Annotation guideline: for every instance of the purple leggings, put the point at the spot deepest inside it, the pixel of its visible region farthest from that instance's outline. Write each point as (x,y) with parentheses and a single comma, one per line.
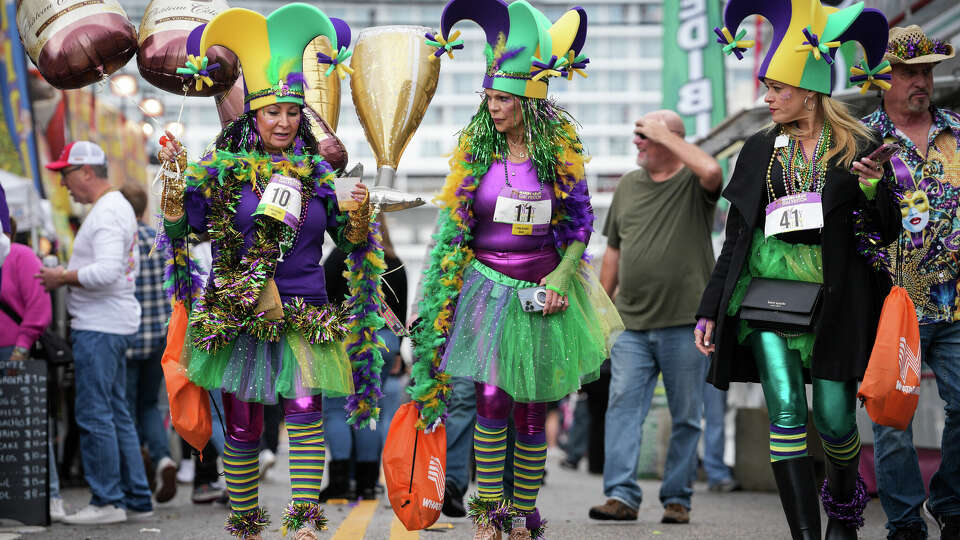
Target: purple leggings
(495,404)
(245,419)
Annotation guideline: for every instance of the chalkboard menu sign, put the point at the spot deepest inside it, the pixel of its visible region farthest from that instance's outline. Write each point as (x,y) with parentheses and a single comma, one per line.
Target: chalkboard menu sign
(23,442)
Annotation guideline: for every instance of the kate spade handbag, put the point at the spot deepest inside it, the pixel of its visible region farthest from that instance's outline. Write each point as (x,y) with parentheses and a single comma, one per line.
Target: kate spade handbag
(781,304)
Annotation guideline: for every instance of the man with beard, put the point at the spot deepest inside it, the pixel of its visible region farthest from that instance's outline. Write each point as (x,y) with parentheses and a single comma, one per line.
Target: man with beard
(926,168)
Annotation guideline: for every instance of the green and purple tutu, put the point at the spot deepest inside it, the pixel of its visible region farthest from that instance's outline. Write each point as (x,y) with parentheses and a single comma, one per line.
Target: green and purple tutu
(264,371)
(532,357)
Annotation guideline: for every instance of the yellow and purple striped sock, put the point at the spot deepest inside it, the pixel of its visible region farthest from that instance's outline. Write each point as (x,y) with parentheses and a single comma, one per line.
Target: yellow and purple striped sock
(241,469)
(307,454)
(787,443)
(490,447)
(529,457)
(841,451)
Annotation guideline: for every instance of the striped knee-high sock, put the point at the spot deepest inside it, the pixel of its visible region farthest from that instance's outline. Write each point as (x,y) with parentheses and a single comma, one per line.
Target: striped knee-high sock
(307,453)
(490,446)
(241,468)
(841,452)
(529,457)
(787,443)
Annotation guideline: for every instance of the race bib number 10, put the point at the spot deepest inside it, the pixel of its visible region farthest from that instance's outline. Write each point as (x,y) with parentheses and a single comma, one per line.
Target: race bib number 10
(799,212)
(281,200)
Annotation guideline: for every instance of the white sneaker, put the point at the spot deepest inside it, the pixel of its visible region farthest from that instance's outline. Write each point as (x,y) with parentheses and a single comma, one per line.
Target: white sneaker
(57,512)
(267,459)
(97,515)
(133,515)
(166,480)
(186,472)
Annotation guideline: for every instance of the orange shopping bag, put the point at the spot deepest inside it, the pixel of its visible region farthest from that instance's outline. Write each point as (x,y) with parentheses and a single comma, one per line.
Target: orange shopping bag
(189,404)
(414,466)
(891,384)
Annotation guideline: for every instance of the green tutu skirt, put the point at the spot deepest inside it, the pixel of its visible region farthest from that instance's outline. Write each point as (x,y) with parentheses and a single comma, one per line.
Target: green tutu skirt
(773,258)
(531,357)
(263,371)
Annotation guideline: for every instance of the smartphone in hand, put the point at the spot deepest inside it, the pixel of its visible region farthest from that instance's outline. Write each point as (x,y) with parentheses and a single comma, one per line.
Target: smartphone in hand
(883,154)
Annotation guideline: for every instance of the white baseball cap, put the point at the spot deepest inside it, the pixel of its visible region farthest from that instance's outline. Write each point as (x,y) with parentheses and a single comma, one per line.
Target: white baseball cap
(79,153)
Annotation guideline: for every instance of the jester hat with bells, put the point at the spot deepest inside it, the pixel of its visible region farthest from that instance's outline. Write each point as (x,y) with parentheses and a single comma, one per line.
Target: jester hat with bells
(523,47)
(271,48)
(806,36)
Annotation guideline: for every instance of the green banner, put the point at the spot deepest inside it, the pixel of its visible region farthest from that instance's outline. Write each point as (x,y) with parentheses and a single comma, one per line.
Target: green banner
(693,73)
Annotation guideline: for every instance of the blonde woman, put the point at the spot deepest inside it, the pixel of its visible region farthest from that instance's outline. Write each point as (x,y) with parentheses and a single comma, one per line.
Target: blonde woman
(808,216)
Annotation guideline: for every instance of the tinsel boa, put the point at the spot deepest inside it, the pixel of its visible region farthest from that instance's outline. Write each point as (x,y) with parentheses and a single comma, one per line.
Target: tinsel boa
(849,513)
(247,524)
(225,309)
(572,221)
(299,515)
(484,513)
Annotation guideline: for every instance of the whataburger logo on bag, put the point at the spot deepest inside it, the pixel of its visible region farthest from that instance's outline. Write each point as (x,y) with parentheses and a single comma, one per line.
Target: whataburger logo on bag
(908,362)
(436,475)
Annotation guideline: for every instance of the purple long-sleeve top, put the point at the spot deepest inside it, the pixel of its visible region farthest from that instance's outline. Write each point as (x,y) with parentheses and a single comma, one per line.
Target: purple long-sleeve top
(300,273)
(526,257)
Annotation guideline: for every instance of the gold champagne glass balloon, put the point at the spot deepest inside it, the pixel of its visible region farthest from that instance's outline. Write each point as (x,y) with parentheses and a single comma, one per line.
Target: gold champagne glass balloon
(393,82)
(321,93)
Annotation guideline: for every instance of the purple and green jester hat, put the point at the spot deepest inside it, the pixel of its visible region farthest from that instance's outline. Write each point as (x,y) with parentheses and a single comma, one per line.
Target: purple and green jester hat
(270,49)
(524,49)
(806,37)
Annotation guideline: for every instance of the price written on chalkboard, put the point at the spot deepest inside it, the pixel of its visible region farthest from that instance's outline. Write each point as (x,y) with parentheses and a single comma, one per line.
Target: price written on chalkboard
(23,442)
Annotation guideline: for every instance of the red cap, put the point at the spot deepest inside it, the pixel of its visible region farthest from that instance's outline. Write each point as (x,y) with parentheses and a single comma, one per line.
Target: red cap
(79,153)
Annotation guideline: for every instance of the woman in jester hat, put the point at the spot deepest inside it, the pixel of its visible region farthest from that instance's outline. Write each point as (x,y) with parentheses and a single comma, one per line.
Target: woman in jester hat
(515,214)
(263,330)
(809,161)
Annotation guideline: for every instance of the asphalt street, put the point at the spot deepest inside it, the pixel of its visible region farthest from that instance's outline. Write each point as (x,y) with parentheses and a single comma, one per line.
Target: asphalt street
(564,501)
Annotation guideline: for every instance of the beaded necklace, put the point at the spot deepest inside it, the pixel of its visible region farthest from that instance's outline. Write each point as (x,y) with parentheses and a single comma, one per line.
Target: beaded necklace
(799,174)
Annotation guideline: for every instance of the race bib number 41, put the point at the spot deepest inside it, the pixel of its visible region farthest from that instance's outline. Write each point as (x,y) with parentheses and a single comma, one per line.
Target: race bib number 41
(799,212)
(526,211)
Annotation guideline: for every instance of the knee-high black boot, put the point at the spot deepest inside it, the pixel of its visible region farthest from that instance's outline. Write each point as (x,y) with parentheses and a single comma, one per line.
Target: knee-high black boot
(844,497)
(798,495)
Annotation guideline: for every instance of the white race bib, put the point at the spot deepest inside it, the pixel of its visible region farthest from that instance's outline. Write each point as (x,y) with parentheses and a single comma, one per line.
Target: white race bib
(526,211)
(798,212)
(281,200)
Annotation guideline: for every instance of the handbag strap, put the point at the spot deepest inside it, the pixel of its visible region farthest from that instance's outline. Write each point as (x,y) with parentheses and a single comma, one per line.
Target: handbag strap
(11,313)
(898,272)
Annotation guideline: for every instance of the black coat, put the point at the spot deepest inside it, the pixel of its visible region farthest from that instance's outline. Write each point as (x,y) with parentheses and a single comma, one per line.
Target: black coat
(853,292)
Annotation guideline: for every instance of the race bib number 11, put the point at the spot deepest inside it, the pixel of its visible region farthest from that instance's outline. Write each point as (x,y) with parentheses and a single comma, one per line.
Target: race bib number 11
(799,212)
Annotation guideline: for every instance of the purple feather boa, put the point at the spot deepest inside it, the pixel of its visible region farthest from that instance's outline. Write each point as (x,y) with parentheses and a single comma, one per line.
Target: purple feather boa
(364,345)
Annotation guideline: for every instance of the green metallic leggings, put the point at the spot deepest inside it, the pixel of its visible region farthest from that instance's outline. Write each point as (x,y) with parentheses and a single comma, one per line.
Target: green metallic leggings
(781,375)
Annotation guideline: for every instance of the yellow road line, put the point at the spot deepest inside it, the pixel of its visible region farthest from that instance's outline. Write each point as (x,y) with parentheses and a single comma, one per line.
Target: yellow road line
(355,525)
(399,532)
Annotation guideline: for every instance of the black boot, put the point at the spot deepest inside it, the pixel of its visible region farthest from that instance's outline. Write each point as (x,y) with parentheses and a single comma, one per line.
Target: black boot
(338,471)
(798,496)
(844,497)
(367,474)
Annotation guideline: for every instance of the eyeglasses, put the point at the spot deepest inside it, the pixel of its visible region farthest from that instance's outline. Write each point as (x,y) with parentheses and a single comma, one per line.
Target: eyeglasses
(67,170)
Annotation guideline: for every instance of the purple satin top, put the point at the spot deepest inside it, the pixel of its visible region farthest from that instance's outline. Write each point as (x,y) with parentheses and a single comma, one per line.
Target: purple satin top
(300,273)
(525,257)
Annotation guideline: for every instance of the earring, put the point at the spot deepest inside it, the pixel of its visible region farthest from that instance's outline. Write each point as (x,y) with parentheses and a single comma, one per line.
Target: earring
(805,104)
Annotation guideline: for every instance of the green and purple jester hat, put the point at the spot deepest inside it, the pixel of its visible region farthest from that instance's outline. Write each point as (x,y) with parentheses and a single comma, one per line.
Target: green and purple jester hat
(806,37)
(523,47)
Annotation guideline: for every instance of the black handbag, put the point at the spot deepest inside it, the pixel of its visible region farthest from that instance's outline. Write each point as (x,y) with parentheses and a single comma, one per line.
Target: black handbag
(49,346)
(781,304)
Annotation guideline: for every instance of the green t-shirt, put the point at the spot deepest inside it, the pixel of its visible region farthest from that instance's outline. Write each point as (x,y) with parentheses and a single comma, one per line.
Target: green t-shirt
(662,230)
